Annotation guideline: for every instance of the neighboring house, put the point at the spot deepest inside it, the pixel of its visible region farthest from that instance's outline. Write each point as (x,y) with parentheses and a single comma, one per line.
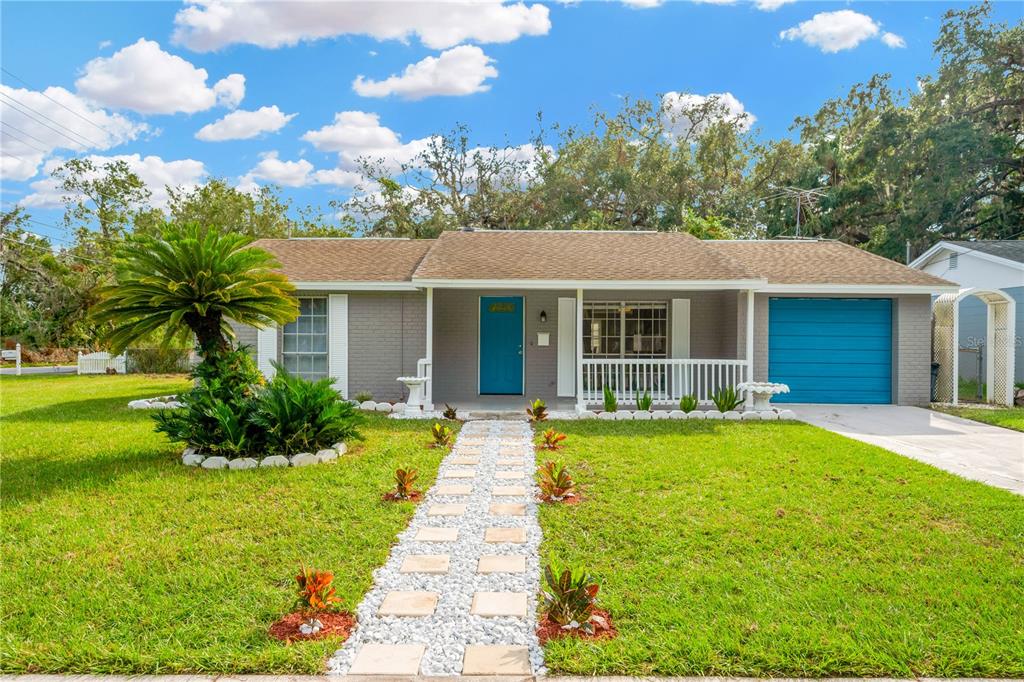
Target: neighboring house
(494,317)
(986,266)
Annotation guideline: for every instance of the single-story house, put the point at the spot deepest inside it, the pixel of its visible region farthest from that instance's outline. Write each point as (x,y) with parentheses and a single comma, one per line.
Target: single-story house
(496,317)
(980,266)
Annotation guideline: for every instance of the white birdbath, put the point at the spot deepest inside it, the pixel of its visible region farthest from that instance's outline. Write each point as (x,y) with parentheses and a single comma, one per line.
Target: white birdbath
(414,404)
(762,391)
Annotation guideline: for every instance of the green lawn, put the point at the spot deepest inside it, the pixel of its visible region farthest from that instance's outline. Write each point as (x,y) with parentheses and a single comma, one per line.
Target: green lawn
(784,550)
(1007,417)
(118,559)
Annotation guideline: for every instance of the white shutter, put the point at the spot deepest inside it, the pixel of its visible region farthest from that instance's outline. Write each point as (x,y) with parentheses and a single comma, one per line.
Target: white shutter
(266,350)
(337,341)
(680,328)
(566,343)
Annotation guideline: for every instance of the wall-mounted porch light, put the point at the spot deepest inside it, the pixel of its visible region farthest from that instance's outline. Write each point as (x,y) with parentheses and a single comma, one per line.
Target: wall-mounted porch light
(543,316)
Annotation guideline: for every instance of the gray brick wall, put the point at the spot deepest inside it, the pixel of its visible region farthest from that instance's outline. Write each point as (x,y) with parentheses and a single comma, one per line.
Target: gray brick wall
(386,337)
(911,336)
(245,335)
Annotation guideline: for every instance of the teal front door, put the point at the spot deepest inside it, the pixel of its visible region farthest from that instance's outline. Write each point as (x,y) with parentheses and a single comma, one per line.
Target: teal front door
(501,345)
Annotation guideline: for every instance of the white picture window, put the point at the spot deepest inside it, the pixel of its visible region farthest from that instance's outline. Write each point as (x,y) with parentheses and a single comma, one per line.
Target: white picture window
(624,329)
(304,351)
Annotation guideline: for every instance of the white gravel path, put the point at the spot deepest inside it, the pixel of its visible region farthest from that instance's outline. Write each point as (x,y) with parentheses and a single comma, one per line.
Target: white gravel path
(451,627)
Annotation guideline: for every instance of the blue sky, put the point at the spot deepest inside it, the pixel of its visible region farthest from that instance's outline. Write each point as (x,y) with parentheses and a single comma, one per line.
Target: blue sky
(122,78)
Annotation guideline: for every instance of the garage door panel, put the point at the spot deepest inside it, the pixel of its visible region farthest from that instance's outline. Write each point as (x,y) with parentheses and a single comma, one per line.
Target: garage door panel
(833,370)
(853,343)
(831,350)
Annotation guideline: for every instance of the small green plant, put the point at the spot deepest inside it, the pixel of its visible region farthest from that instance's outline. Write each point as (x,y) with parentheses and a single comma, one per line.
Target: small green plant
(363,396)
(644,402)
(442,435)
(538,411)
(611,404)
(569,596)
(450,412)
(725,399)
(315,591)
(405,479)
(554,481)
(552,440)
(688,403)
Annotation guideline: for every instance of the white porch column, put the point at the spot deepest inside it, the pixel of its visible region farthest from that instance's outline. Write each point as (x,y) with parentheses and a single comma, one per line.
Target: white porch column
(580,404)
(749,355)
(429,393)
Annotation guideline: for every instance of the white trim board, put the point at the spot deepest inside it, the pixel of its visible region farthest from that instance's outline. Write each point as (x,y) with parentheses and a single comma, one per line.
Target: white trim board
(853,289)
(923,260)
(355,286)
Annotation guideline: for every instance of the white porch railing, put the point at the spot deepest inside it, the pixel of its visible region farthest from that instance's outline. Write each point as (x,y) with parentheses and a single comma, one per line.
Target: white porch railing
(667,380)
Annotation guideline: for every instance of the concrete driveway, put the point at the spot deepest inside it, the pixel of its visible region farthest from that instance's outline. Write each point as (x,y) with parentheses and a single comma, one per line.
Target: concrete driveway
(980,452)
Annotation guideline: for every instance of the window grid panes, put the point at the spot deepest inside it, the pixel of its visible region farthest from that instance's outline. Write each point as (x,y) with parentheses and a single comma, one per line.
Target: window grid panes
(622,329)
(304,351)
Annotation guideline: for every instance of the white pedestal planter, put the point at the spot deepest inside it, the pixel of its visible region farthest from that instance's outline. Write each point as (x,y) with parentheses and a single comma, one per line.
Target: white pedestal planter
(414,403)
(762,392)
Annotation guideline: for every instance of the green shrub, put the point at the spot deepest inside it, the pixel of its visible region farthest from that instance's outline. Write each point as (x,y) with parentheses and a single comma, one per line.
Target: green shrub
(644,402)
(688,403)
(611,404)
(297,415)
(363,396)
(725,399)
(158,360)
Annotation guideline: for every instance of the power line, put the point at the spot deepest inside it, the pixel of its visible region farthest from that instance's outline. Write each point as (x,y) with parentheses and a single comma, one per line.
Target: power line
(24,142)
(94,125)
(17,107)
(22,132)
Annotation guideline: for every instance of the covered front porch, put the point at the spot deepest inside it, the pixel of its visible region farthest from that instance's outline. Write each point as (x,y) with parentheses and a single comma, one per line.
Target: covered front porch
(493,350)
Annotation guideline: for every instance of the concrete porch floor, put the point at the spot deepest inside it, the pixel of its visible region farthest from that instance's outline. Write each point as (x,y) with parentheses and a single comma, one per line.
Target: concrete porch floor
(502,406)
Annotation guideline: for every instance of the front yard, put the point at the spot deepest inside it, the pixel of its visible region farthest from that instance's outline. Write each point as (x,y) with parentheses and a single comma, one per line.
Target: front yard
(1007,417)
(772,549)
(118,559)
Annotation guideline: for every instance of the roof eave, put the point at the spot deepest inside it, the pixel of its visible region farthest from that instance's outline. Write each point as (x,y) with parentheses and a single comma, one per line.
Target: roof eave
(444,283)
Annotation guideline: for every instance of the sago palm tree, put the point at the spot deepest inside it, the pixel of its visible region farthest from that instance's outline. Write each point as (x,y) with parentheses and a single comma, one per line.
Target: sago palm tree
(191,281)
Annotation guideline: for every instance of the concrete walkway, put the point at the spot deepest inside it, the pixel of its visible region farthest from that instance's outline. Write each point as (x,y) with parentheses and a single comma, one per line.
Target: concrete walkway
(458,593)
(970,449)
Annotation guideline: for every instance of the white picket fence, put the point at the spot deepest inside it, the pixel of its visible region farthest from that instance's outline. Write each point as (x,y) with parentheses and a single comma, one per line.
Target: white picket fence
(100,362)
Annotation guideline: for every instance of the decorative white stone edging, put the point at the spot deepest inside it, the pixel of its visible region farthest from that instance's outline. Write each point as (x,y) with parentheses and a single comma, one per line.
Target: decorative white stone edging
(696,415)
(447,629)
(163,402)
(192,458)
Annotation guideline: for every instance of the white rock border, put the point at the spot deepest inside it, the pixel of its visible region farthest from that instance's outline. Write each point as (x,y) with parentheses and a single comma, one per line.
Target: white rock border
(162,402)
(193,458)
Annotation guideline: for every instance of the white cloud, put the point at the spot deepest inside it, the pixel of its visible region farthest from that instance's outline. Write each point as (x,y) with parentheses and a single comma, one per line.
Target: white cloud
(771,5)
(144,78)
(681,110)
(152,170)
(337,177)
(37,123)
(461,70)
(892,40)
(359,134)
(643,4)
(285,173)
(243,125)
(206,25)
(834,31)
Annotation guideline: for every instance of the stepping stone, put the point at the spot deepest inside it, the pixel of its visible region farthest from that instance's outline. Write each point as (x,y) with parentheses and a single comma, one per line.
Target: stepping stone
(408,604)
(446,510)
(498,604)
(454,489)
(512,535)
(518,462)
(511,452)
(460,473)
(490,659)
(425,563)
(509,475)
(501,563)
(388,659)
(465,460)
(506,509)
(437,535)
(467,451)
(472,440)
(509,490)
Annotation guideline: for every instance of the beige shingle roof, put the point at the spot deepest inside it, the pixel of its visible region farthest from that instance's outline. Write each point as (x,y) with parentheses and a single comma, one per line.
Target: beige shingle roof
(580,255)
(347,260)
(820,262)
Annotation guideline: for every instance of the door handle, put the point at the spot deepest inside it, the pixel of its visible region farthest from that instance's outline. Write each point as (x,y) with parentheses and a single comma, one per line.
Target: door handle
(520,349)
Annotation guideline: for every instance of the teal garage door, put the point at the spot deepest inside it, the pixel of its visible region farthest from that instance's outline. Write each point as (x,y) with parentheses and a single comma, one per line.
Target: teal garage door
(831,350)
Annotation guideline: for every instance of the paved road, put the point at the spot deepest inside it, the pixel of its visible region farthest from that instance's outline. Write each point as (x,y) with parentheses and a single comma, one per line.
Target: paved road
(980,452)
(56,369)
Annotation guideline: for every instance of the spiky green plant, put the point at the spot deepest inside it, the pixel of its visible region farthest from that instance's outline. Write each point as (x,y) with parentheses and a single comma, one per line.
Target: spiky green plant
(644,402)
(192,281)
(611,403)
(726,399)
(688,403)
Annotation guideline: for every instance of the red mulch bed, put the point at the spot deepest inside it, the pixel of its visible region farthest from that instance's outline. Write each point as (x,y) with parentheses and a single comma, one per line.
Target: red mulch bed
(338,624)
(414,497)
(548,630)
(569,501)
